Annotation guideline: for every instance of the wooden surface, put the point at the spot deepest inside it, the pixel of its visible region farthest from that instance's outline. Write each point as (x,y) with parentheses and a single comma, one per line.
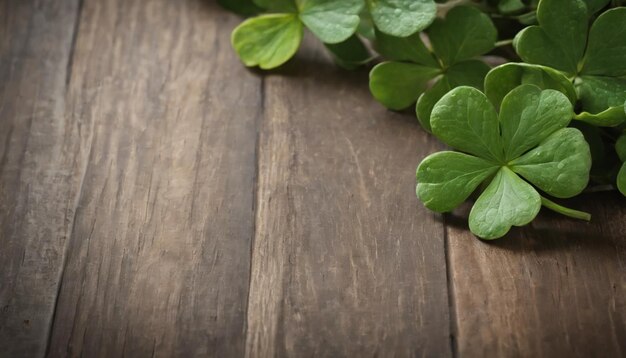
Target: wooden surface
(159,199)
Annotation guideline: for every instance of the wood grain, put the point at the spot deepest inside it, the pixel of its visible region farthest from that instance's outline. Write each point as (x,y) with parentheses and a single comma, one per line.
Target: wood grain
(159,257)
(345,262)
(554,289)
(38,158)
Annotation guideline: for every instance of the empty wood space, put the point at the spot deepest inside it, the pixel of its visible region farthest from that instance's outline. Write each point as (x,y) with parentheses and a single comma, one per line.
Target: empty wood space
(159,199)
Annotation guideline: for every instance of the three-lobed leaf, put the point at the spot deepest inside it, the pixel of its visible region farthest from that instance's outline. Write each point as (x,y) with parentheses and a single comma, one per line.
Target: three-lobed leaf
(332,21)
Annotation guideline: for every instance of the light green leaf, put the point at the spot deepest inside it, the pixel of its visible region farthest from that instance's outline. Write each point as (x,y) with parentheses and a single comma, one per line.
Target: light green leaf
(559,40)
(559,166)
(606,51)
(464,119)
(597,94)
(465,73)
(612,117)
(621,180)
(402,18)
(267,41)
(331,21)
(397,85)
(504,78)
(411,49)
(464,33)
(277,5)
(351,53)
(446,179)
(508,201)
(529,115)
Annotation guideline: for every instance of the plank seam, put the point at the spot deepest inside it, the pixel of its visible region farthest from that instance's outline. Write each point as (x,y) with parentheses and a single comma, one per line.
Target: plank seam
(450,289)
(70,59)
(255,205)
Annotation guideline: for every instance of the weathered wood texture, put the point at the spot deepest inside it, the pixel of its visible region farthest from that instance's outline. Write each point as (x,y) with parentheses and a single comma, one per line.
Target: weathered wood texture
(556,288)
(37,161)
(158,260)
(345,261)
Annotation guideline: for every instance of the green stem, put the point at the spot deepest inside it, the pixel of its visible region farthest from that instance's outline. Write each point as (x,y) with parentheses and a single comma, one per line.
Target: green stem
(565,211)
(504,43)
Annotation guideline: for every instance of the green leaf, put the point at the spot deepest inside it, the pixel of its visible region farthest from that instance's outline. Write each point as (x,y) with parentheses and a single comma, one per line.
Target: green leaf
(594,5)
(277,5)
(351,53)
(510,6)
(621,180)
(464,119)
(446,179)
(411,49)
(465,73)
(397,85)
(241,7)
(331,21)
(426,102)
(599,93)
(267,41)
(464,33)
(508,201)
(529,115)
(612,117)
(402,18)
(606,51)
(504,78)
(559,166)
(560,38)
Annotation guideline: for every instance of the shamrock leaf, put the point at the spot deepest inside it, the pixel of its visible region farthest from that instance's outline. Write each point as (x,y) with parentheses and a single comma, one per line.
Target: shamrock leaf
(594,57)
(402,18)
(528,139)
(332,21)
(267,41)
(620,146)
(464,34)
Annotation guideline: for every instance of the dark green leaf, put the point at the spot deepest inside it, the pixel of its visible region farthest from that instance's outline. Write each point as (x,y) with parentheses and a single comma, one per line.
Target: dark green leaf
(277,5)
(464,33)
(351,53)
(397,85)
(606,51)
(241,7)
(411,49)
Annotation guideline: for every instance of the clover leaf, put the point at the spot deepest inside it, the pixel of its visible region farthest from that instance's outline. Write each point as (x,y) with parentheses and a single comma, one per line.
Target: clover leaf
(270,40)
(620,147)
(241,7)
(415,72)
(402,18)
(593,57)
(526,143)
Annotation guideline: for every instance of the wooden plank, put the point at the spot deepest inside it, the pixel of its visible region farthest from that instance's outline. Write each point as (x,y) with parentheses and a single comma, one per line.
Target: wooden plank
(37,162)
(345,263)
(158,263)
(554,289)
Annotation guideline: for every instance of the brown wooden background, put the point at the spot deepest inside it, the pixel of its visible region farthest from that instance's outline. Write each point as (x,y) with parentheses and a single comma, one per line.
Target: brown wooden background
(159,199)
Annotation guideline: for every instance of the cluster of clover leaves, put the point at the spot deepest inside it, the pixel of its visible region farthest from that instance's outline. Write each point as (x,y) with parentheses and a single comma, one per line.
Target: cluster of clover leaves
(548,122)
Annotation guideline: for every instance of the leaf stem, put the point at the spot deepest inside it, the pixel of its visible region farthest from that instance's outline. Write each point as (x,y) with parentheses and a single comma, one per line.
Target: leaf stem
(504,43)
(565,211)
